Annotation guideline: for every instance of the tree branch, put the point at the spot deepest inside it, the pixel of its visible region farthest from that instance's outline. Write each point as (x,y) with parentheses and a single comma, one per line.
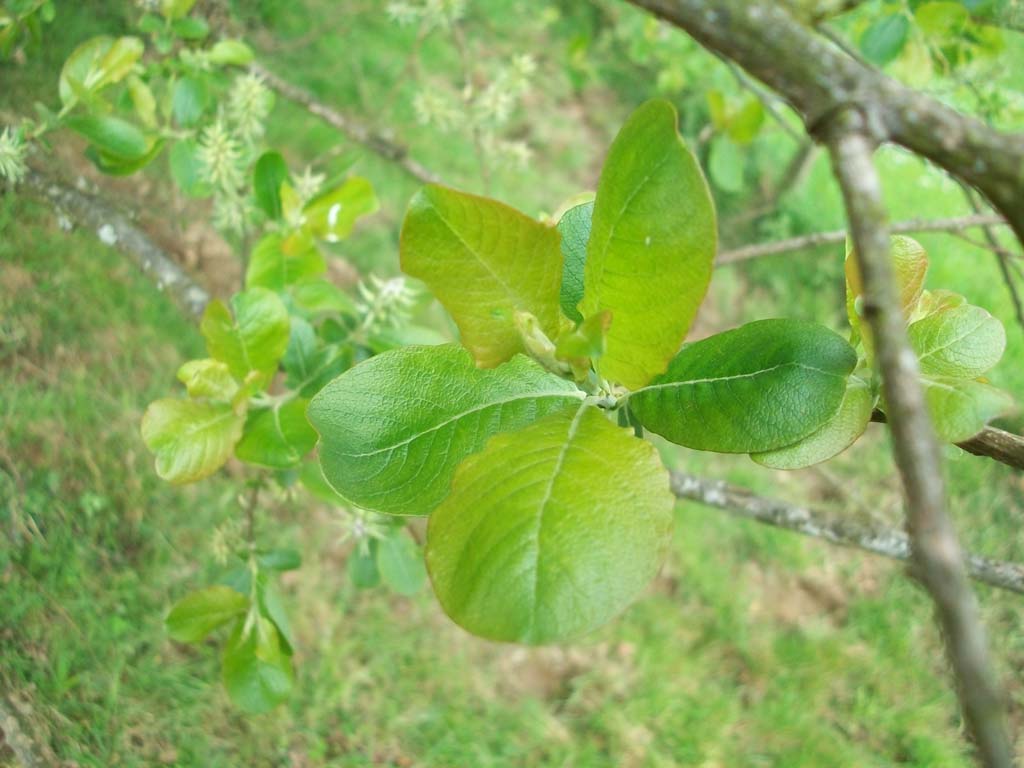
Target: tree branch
(116,229)
(886,542)
(355,130)
(937,557)
(819,80)
(816,239)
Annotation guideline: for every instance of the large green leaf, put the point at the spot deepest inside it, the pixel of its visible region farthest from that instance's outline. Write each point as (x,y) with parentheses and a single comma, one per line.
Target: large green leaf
(257,672)
(483,261)
(550,531)
(961,342)
(277,437)
(652,244)
(960,408)
(254,339)
(394,428)
(574,227)
(756,388)
(833,437)
(199,613)
(190,440)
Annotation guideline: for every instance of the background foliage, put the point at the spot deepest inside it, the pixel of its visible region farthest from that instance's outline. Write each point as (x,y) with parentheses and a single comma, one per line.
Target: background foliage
(753,648)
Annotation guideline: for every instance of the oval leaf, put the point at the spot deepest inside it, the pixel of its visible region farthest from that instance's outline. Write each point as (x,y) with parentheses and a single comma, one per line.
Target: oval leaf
(257,673)
(254,339)
(832,438)
(270,267)
(483,261)
(759,387)
(196,615)
(652,244)
(961,408)
(400,563)
(270,172)
(962,342)
(561,544)
(277,437)
(394,428)
(190,440)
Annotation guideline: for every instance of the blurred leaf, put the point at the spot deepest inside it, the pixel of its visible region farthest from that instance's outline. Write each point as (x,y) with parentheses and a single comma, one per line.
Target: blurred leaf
(189,101)
(280,559)
(97,63)
(270,267)
(270,172)
(746,123)
(256,672)
(143,101)
(331,215)
(176,9)
(112,135)
(197,614)
(362,566)
(232,53)
(883,40)
(190,440)
(190,28)
(942,19)
(400,563)
(961,408)
(318,296)
(187,169)
(726,164)
(277,437)
(208,378)
(253,339)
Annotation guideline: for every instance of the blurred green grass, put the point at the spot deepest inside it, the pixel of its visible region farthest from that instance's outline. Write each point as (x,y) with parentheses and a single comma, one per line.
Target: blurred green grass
(754,647)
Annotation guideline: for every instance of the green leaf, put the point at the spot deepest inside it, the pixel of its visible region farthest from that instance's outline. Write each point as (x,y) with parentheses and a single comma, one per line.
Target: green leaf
(756,388)
(96,63)
(232,53)
(652,244)
(191,28)
(910,264)
(115,165)
(197,614)
(746,123)
(317,296)
(208,378)
(362,566)
(962,342)
(404,336)
(280,559)
(726,163)
(942,19)
(257,673)
(483,261)
(574,227)
(270,267)
(277,437)
(885,38)
(190,440)
(176,9)
(112,135)
(400,563)
(833,437)
(309,364)
(961,408)
(254,339)
(187,169)
(143,101)
(550,531)
(189,101)
(272,606)
(270,172)
(394,428)
(331,215)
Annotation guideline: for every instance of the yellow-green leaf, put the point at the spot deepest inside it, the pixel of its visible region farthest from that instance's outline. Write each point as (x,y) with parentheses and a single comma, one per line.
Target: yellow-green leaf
(190,440)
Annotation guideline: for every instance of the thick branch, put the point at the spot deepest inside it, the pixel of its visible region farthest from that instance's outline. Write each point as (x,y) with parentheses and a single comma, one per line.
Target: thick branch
(757,250)
(355,130)
(818,80)
(938,560)
(886,542)
(114,228)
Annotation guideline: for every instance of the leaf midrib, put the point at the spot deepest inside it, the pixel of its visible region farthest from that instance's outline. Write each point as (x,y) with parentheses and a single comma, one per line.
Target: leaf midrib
(463,414)
(752,374)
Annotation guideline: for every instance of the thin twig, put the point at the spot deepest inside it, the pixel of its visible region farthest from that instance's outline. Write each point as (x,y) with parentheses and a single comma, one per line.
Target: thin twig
(354,129)
(937,557)
(887,542)
(957,224)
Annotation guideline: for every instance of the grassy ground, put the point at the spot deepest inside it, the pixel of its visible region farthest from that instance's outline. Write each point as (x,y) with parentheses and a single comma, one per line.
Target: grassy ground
(753,648)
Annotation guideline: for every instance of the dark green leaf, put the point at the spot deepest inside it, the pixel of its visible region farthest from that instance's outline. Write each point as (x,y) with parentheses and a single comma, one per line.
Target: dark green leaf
(574,227)
(270,171)
(884,39)
(112,135)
